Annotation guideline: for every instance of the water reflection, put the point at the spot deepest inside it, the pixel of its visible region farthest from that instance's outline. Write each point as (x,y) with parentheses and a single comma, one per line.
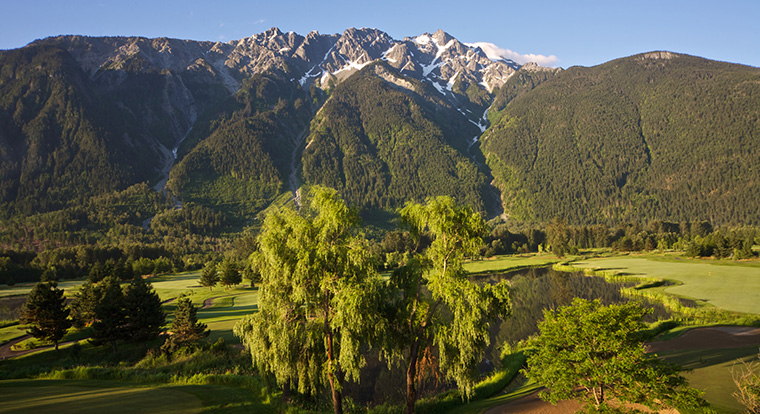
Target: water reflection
(534,290)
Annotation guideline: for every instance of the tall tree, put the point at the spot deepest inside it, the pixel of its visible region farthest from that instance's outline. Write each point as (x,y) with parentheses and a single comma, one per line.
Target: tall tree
(45,311)
(209,276)
(317,292)
(591,352)
(144,315)
(109,313)
(185,327)
(438,305)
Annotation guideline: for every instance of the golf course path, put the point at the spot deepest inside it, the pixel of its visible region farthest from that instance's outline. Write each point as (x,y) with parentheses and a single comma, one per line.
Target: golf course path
(713,337)
(6,351)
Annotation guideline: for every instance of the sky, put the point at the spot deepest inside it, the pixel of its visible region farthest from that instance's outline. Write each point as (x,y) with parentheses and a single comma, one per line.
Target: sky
(560,33)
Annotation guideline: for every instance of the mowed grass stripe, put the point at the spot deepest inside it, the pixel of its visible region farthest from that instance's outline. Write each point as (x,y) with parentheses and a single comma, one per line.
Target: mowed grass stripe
(79,399)
(734,288)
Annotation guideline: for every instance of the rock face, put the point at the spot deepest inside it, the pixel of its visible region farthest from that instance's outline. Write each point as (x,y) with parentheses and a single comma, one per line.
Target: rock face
(143,97)
(185,74)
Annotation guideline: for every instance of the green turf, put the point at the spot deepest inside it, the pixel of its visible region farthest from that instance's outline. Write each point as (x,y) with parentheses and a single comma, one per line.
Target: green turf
(506,263)
(10,333)
(734,287)
(22,289)
(710,370)
(82,397)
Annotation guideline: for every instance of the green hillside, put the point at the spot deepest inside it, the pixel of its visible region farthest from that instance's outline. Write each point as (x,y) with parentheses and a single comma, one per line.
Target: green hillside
(652,136)
(239,156)
(381,144)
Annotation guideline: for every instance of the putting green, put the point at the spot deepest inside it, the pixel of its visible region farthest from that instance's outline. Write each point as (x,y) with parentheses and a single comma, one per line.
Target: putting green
(731,287)
(61,397)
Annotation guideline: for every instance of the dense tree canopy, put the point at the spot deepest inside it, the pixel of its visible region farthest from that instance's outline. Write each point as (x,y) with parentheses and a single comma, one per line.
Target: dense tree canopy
(316,299)
(437,304)
(592,353)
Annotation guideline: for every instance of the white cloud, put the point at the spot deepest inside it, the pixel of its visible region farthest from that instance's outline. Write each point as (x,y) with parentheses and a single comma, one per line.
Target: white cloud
(495,52)
(260,21)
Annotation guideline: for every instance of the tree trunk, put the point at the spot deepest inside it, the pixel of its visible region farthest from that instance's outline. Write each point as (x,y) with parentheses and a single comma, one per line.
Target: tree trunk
(56,345)
(332,370)
(411,378)
(286,392)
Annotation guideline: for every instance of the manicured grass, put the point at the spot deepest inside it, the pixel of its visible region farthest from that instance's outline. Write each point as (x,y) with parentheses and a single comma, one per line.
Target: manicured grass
(506,263)
(710,370)
(733,286)
(112,397)
(82,397)
(10,333)
(23,289)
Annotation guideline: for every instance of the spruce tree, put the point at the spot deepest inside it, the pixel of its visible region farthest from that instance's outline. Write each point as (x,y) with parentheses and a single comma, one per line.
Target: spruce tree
(109,313)
(230,274)
(83,305)
(209,276)
(144,315)
(185,327)
(45,311)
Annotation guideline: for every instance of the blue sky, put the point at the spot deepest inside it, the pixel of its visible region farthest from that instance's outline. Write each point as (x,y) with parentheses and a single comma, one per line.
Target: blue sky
(557,33)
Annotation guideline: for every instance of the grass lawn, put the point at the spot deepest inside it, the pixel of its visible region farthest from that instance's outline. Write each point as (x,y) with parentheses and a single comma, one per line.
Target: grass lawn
(506,263)
(710,370)
(82,397)
(733,286)
(10,333)
(24,288)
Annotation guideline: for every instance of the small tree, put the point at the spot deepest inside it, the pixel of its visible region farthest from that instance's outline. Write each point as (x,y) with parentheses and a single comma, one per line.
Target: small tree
(591,353)
(229,273)
(144,315)
(209,276)
(46,313)
(747,380)
(185,327)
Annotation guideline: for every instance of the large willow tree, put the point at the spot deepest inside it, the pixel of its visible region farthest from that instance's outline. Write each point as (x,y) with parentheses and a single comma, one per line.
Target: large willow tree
(317,292)
(437,304)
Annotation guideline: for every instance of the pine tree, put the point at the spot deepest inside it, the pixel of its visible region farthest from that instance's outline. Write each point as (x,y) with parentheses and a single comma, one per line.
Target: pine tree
(45,311)
(209,276)
(230,275)
(142,307)
(185,327)
(83,305)
(109,313)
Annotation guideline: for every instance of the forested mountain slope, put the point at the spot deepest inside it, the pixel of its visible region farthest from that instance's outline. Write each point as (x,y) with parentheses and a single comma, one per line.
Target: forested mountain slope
(383,139)
(652,136)
(230,127)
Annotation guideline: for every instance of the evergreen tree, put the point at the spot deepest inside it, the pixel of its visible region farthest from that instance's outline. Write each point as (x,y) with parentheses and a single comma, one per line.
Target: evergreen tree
(185,327)
(209,276)
(45,311)
(142,307)
(83,305)
(229,273)
(109,313)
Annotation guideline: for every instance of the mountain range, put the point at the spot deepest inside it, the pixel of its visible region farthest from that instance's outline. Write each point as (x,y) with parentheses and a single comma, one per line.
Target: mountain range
(235,126)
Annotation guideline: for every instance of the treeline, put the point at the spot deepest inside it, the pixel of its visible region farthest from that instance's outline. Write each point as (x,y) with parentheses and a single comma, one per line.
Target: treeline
(636,139)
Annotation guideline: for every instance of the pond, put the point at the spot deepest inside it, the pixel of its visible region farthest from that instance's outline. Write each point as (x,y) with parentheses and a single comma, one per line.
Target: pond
(534,290)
